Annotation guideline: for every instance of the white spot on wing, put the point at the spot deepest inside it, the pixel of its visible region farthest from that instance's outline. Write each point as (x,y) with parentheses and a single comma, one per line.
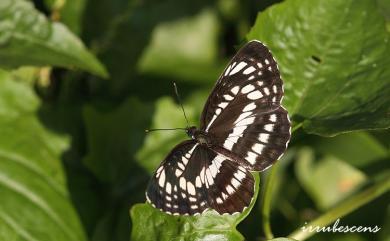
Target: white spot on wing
(249,107)
(260,65)
(161,179)
(190,188)
(275,89)
(263,137)
(272,118)
(228,144)
(198,183)
(266,61)
(209,177)
(224,196)
(228,69)
(246,121)
(182,183)
(266,90)
(258,148)
(230,189)
(213,170)
(249,70)
(228,97)
(239,175)
(242,116)
(239,130)
(235,90)
(211,122)
(181,166)
(235,183)
(255,95)
(184,160)
(168,188)
(269,127)
(247,89)
(238,68)
(202,175)
(251,157)
(223,105)
(178,172)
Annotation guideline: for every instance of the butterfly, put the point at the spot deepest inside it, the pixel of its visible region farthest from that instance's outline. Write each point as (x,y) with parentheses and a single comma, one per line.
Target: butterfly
(243,128)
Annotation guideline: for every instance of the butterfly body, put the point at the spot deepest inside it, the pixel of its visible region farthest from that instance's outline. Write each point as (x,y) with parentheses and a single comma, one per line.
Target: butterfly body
(243,128)
(200,136)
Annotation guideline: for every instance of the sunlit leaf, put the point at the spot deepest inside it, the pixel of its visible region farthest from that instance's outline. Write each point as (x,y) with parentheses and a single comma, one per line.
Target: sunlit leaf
(185,49)
(333,56)
(28,38)
(35,204)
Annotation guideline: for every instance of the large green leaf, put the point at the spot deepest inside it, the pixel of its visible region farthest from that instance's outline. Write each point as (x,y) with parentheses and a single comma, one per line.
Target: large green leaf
(333,56)
(28,38)
(35,204)
(151,224)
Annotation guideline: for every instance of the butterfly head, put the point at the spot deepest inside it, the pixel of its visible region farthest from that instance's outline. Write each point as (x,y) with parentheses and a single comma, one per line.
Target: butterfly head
(191,131)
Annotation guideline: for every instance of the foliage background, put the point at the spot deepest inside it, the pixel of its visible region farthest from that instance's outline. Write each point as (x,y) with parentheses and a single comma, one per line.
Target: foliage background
(80,80)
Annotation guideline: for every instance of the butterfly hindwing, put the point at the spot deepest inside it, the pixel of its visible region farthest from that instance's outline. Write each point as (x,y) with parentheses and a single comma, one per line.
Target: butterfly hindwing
(243,112)
(194,178)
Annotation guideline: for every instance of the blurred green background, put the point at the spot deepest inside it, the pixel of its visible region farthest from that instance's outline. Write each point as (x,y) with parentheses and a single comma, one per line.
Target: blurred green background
(80,81)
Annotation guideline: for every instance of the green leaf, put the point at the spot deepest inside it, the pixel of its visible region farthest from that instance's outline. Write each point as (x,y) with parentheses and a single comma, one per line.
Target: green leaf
(333,56)
(184,49)
(28,38)
(113,137)
(328,181)
(151,224)
(35,204)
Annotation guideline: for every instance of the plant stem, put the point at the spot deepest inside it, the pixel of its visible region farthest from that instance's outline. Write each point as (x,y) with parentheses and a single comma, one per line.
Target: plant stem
(296,127)
(267,195)
(266,207)
(344,208)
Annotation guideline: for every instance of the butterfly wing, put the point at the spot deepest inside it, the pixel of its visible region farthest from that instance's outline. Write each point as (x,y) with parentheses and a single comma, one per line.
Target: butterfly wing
(243,112)
(193,178)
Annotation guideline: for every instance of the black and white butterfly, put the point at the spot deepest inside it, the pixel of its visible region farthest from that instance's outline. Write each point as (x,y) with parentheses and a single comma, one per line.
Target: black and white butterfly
(243,128)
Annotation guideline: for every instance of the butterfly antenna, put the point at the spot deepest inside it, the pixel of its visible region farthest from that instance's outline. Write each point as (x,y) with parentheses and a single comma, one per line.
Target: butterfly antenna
(164,129)
(179,100)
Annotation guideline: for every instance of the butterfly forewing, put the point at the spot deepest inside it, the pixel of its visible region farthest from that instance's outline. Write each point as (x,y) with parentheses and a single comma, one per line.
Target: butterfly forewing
(194,178)
(243,111)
